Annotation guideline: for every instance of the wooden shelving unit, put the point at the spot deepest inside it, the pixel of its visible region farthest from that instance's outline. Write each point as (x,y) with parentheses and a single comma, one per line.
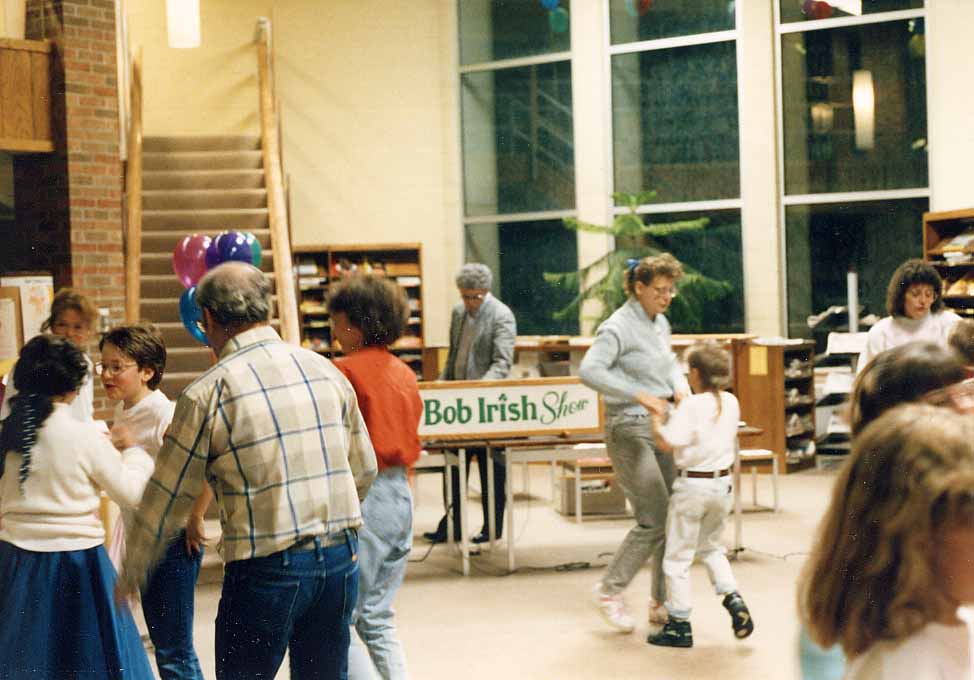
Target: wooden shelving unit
(948,244)
(317,267)
(776,387)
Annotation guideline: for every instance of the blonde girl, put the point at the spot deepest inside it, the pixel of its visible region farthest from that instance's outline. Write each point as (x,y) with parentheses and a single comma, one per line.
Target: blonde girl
(73,316)
(891,563)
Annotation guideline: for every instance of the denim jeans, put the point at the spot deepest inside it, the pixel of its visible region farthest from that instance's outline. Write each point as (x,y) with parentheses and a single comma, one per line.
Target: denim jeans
(168,600)
(697,517)
(646,476)
(295,600)
(384,543)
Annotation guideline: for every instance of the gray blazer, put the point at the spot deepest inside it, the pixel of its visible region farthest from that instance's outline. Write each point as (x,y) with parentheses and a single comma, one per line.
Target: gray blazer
(492,350)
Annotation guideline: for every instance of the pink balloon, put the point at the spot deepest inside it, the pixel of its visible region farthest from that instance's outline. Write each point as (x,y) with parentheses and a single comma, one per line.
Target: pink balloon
(189,259)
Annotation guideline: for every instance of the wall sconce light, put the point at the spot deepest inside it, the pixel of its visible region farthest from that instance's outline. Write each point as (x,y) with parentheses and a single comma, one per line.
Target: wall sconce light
(822,116)
(864,109)
(183,23)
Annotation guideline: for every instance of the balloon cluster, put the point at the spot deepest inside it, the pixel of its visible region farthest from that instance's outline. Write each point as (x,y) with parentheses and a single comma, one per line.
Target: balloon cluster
(557,16)
(195,255)
(816,9)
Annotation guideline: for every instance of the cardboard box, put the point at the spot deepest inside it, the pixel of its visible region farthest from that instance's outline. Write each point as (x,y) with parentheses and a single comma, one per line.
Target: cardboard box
(600,494)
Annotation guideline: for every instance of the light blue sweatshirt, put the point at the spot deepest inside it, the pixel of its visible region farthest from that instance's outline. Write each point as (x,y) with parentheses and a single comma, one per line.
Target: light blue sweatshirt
(632,354)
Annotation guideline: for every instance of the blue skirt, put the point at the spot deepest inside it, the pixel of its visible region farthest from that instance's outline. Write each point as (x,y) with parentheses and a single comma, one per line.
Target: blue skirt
(58,618)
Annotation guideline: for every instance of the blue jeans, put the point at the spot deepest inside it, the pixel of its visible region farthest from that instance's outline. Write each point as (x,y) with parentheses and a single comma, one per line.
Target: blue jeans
(168,600)
(384,543)
(296,600)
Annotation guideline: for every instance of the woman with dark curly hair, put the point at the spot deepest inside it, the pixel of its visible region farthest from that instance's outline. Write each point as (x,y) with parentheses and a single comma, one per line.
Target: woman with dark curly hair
(915,303)
(367,315)
(58,615)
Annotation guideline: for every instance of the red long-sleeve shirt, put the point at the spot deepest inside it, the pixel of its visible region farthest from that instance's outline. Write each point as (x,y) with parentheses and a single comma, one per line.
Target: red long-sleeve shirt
(388,397)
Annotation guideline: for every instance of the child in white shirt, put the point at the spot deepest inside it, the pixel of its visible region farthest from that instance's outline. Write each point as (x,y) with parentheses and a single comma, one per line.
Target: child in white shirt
(702,434)
(57,608)
(133,359)
(890,573)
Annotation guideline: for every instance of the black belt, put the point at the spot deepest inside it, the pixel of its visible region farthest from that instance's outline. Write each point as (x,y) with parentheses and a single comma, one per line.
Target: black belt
(309,542)
(705,475)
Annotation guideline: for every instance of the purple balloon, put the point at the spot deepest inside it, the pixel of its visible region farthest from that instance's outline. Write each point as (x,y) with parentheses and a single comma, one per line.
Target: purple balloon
(230,245)
(189,259)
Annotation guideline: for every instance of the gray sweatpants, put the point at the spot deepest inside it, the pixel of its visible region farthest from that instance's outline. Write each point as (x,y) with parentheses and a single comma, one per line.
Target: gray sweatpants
(646,477)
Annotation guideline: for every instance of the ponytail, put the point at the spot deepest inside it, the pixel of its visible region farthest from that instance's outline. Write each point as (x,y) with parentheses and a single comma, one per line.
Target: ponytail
(18,433)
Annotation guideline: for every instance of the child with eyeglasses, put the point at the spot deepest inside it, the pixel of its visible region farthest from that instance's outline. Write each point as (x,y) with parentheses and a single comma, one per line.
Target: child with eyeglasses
(73,316)
(133,360)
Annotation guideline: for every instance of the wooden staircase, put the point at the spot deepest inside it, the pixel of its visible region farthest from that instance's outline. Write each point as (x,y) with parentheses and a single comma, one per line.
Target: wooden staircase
(202,184)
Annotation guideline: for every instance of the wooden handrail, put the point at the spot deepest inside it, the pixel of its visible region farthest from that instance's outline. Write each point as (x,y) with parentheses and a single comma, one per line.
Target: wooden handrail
(133,195)
(287,306)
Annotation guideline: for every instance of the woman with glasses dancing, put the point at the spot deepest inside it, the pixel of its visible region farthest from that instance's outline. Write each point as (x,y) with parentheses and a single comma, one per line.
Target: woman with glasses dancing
(914,300)
(632,365)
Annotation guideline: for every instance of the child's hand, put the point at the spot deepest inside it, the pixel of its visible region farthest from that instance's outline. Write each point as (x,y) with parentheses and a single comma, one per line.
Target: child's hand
(652,404)
(122,437)
(195,535)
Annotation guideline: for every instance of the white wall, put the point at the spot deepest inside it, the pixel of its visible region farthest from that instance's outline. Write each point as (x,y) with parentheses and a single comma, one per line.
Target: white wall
(950,103)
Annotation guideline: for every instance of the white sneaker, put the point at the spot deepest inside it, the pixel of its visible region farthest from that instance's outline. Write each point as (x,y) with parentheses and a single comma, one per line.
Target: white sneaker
(657,613)
(613,609)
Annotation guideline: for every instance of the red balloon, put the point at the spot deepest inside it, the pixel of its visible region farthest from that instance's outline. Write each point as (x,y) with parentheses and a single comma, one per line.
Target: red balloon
(189,259)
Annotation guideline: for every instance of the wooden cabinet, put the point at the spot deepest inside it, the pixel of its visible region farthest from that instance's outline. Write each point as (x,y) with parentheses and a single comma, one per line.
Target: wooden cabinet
(776,387)
(317,267)
(948,244)
(25,96)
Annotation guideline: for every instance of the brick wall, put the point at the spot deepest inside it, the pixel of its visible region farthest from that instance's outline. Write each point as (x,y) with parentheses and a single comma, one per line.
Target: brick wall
(69,203)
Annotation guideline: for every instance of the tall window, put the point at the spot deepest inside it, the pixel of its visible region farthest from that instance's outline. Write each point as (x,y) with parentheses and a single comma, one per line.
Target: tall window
(518,152)
(854,148)
(675,131)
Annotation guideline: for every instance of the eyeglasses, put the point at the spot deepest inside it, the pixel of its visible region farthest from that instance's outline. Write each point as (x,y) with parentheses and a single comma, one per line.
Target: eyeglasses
(112,369)
(474,297)
(664,292)
(959,396)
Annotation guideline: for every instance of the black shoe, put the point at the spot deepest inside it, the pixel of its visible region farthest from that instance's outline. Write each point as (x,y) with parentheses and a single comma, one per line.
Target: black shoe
(435,536)
(740,616)
(483,537)
(675,633)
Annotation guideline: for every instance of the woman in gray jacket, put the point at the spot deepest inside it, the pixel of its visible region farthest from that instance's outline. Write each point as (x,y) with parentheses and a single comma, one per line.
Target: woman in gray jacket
(633,366)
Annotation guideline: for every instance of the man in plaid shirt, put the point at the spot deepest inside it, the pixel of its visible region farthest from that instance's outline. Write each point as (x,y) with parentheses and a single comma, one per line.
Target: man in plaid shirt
(277,433)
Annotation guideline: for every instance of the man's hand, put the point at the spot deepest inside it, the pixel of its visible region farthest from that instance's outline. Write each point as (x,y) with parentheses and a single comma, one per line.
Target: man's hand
(195,535)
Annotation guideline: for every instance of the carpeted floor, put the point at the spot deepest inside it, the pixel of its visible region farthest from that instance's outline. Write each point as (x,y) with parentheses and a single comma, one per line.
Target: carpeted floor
(540,623)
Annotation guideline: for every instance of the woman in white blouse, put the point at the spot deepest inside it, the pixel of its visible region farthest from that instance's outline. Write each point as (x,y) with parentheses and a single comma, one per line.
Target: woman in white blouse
(915,302)
(58,616)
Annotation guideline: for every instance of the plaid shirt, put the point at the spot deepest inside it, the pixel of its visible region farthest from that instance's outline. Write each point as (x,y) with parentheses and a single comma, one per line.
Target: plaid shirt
(276,431)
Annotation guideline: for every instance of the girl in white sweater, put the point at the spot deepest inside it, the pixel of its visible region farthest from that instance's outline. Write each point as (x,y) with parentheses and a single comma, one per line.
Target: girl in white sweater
(58,617)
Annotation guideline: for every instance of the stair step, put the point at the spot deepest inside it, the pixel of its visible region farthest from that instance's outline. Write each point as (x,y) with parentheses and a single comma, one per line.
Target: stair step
(188,359)
(165,241)
(168,286)
(201,160)
(159,263)
(166,310)
(201,143)
(209,222)
(174,383)
(206,199)
(174,335)
(202,179)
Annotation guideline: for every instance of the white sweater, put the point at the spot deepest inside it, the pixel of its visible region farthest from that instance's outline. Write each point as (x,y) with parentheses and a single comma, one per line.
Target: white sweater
(57,509)
(893,331)
(936,652)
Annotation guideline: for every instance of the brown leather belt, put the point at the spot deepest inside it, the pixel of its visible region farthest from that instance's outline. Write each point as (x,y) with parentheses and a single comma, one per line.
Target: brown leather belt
(705,475)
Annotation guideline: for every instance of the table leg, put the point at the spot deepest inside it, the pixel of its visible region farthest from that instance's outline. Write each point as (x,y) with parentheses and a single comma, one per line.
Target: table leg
(448,474)
(464,539)
(509,491)
(488,493)
(737,503)
(578,492)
